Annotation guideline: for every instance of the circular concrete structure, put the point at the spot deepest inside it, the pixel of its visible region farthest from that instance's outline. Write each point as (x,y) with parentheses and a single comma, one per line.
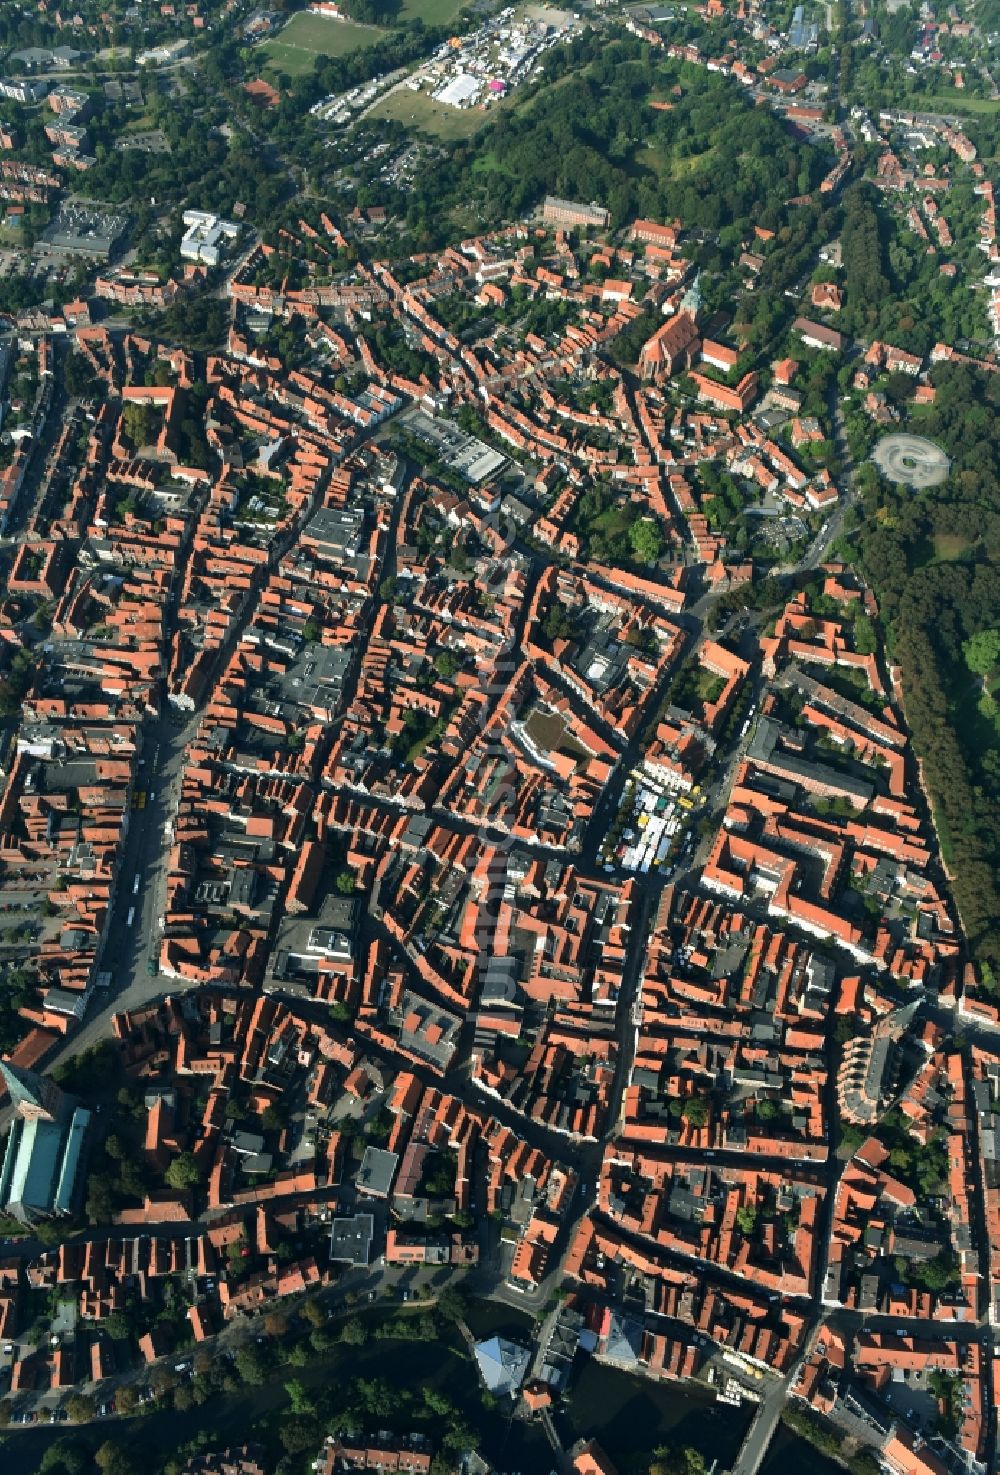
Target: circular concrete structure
(911,460)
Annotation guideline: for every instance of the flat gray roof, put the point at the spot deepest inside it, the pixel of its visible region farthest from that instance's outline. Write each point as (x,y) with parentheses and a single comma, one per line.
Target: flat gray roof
(377,1171)
(351,1239)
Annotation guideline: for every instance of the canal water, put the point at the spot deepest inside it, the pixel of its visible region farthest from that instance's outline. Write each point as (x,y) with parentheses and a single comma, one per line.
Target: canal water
(790,1455)
(512,1446)
(630,1416)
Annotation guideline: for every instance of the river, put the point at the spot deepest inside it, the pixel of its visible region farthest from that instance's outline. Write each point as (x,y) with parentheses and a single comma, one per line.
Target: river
(512,1446)
(629,1415)
(788,1453)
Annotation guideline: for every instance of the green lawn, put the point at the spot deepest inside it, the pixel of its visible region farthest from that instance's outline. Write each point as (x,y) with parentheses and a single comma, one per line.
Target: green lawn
(666,166)
(709,686)
(432,12)
(307,36)
(951,101)
(290,59)
(145,124)
(941,548)
(419,110)
(949,546)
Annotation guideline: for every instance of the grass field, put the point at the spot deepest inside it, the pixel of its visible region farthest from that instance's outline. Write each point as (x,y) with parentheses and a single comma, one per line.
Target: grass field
(665,166)
(708,686)
(431,12)
(419,110)
(307,36)
(952,101)
(941,548)
(949,546)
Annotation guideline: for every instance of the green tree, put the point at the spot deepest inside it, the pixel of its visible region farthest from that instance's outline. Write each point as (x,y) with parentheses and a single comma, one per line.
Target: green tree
(100,1205)
(460,1438)
(277,1323)
(299,1397)
(646,541)
(557,624)
(273,1118)
(65,1457)
(115,1459)
(127,1399)
(163,1378)
(982,651)
(695,1111)
(118,1326)
(938,1274)
(313,1313)
(183,1172)
(684,1461)
(746,1219)
(252,1365)
(141,423)
(79,377)
(299,1433)
(451,1304)
(93,1069)
(80,1408)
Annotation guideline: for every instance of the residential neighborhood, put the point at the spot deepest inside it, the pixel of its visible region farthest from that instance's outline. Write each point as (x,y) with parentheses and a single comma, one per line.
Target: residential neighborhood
(477,864)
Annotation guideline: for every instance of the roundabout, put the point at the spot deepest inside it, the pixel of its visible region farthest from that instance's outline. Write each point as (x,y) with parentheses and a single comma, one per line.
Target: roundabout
(911,460)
